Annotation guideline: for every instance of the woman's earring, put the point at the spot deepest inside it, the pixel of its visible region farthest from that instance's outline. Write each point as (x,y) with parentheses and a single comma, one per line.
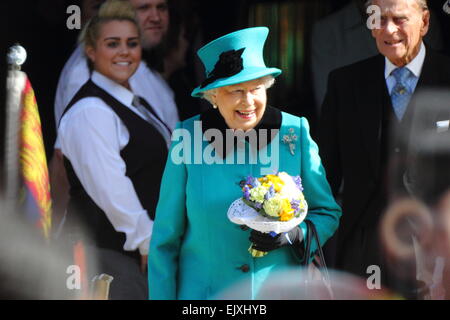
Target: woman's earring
(214,106)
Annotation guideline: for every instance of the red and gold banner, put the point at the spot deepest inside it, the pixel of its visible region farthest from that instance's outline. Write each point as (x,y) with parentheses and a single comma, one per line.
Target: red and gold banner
(33,163)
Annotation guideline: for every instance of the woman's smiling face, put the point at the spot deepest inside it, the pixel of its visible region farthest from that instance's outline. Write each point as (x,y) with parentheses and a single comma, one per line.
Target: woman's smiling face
(117,51)
(242,105)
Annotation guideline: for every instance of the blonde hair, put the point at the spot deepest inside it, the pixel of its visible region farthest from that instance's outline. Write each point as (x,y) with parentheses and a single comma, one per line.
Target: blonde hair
(267,81)
(110,10)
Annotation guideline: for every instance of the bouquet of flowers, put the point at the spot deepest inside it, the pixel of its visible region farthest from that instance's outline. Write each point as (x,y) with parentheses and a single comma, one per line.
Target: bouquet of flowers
(271,204)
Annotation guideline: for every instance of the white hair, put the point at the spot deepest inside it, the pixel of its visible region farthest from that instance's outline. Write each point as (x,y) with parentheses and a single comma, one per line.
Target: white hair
(422,4)
(268,82)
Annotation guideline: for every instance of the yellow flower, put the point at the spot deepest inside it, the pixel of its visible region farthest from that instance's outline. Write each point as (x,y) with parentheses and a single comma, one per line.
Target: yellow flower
(266,185)
(276,181)
(287,213)
(286,216)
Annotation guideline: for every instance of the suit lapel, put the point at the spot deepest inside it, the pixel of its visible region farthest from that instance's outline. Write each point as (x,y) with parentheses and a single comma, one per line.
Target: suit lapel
(429,78)
(429,70)
(369,103)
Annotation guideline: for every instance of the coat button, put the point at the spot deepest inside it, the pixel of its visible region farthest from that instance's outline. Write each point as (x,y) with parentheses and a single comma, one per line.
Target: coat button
(244,268)
(244,227)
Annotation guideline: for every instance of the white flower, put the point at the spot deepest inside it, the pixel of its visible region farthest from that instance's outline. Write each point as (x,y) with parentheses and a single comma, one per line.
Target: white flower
(289,189)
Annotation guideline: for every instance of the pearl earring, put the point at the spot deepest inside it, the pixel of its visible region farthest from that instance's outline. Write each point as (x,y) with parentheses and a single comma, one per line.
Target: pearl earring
(214,106)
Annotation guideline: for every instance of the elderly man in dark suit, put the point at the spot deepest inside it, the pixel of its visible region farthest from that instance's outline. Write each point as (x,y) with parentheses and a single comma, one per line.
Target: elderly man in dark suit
(365,102)
(342,38)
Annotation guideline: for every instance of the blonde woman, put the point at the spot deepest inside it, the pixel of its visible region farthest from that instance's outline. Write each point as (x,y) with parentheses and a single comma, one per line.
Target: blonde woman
(115,148)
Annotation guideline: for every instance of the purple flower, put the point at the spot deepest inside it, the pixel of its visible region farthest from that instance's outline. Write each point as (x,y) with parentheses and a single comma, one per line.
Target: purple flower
(269,194)
(258,205)
(295,204)
(298,182)
(246,191)
(252,181)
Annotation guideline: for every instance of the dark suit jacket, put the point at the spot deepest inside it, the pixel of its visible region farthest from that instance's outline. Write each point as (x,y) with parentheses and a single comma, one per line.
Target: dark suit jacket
(352,128)
(343,38)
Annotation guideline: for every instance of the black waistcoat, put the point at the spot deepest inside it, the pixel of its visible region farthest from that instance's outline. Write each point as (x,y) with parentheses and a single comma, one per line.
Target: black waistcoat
(395,145)
(145,157)
(393,161)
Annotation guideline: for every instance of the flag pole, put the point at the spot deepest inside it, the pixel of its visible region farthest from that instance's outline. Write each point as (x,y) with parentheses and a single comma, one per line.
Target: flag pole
(14,86)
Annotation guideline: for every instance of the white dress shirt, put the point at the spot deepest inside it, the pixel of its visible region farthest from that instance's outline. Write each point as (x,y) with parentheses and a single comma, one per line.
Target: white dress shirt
(145,82)
(91,136)
(415,66)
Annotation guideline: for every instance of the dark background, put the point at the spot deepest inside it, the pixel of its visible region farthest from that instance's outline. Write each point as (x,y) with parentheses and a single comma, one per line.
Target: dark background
(40,27)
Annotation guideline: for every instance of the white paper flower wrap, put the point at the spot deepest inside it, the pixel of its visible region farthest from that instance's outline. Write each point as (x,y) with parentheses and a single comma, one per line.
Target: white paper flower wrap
(242,214)
(271,204)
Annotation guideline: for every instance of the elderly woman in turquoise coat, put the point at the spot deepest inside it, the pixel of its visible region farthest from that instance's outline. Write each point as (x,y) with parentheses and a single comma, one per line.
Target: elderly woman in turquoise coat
(196,252)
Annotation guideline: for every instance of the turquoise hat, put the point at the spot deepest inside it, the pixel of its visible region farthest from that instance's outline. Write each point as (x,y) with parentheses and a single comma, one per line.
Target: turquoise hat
(234,58)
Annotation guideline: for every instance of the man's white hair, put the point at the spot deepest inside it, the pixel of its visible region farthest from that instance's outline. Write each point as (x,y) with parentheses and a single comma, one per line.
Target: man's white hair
(268,82)
(422,4)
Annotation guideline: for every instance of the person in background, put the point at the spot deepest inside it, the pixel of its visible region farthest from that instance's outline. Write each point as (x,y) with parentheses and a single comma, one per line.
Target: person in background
(114,148)
(342,38)
(153,18)
(364,103)
(182,70)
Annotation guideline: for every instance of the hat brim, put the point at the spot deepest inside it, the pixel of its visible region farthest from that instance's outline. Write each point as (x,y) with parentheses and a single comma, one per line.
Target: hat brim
(248,74)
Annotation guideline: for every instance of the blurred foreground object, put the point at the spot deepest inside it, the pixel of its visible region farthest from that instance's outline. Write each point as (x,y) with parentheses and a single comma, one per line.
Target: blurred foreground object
(100,286)
(417,242)
(427,176)
(31,266)
(415,229)
(26,181)
(296,284)
(395,234)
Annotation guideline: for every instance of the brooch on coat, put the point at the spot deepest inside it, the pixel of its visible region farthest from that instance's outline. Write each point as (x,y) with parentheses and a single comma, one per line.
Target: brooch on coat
(290,140)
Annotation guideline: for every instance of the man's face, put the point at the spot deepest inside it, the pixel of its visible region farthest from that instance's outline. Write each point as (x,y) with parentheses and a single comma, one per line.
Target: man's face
(153,18)
(89,8)
(403,25)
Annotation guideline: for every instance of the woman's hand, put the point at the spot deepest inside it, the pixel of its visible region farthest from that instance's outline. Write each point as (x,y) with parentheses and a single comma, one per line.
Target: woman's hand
(265,242)
(144,262)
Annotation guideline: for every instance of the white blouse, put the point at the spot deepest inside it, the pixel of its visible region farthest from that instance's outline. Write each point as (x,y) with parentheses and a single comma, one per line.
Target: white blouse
(91,136)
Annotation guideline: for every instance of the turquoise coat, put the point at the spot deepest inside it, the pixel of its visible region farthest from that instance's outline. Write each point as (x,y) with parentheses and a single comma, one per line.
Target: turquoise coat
(195,251)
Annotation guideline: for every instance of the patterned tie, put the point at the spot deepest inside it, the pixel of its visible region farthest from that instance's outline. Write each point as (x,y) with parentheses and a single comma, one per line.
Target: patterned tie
(145,108)
(401,94)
